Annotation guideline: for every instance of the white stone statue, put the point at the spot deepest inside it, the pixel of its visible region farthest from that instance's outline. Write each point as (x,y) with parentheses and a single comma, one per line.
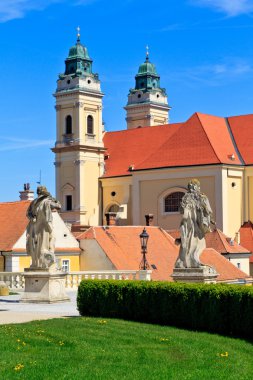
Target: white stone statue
(195,223)
(40,240)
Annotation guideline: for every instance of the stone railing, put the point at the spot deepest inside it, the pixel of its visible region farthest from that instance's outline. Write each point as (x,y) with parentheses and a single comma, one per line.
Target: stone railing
(16,280)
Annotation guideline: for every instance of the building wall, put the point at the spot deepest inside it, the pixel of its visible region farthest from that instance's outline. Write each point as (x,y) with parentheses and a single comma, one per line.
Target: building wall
(151,187)
(241,263)
(235,201)
(24,262)
(93,257)
(74,261)
(1,264)
(79,159)
(248,191)
(123,198)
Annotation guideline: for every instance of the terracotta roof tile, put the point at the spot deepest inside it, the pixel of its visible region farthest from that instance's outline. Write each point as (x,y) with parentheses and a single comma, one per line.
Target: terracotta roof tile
(242,129)
(227,271)
(218,241)
(13,223)
(201,140)
(122,246)
(130,147)
(246,237)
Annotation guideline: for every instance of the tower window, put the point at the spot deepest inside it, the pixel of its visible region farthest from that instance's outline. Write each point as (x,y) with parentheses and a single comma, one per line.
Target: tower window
(90,125)
(172,201)
(68,202)
(114,208)
(139,95)
(68,125)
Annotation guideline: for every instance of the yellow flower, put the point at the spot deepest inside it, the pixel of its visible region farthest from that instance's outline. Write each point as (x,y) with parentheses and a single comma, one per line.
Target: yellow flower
(102,322)
(164,339)
(18,367)
(224,355)
(24,343)
(61,343)
(18,340)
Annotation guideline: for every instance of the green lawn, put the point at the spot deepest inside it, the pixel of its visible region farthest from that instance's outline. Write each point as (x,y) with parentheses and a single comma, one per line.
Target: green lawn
(93,348)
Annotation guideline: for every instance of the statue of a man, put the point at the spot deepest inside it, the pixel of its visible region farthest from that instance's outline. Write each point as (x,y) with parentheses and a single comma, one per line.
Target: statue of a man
(40,240)
(195,223)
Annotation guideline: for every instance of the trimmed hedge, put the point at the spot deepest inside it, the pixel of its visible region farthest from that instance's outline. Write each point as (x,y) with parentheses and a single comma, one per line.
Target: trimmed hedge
(219,308)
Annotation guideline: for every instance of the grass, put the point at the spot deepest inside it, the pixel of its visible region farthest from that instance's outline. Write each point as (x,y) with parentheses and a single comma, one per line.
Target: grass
(93,348)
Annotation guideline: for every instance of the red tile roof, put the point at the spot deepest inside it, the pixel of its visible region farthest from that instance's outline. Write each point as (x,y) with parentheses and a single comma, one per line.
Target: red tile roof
(242,127)
(122,246)
(13,223)
(130,147)
(201,140)
(227,271)
(219,242)
(246,237)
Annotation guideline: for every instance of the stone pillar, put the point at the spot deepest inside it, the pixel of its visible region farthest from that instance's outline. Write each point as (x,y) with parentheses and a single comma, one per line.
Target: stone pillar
(145,275)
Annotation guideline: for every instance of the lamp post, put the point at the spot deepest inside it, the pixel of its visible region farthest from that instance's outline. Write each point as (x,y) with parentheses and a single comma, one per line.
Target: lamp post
(144,236)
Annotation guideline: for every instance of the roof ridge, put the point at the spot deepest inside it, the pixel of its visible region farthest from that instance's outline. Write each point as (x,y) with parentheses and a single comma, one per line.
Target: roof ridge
(11,202)
(219,233)
(234,141)
(197,114)
(145,127)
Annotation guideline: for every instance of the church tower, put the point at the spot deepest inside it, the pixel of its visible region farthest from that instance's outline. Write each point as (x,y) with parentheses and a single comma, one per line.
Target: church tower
(147,102)
(79,149)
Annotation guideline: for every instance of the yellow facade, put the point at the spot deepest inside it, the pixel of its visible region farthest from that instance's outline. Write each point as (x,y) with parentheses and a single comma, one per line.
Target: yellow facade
(1,264)
(144,192)
(79,159)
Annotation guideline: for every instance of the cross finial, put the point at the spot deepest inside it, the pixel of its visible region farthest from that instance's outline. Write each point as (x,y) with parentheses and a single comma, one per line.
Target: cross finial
(78,34)
(147,53)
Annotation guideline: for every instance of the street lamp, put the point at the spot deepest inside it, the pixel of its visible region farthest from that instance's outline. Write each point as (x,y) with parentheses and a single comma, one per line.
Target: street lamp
(144,236)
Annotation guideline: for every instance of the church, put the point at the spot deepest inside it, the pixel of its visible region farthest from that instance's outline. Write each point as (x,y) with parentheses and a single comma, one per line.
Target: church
(119,177)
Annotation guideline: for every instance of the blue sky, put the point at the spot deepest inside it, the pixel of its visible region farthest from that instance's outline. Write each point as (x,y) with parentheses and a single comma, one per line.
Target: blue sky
(203,51)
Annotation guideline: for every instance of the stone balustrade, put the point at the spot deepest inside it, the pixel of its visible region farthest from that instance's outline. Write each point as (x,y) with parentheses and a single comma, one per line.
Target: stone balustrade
(15,280)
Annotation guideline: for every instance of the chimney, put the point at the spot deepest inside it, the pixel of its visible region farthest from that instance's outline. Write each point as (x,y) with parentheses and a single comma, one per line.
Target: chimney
(26,194)
(110,218)
(149,219)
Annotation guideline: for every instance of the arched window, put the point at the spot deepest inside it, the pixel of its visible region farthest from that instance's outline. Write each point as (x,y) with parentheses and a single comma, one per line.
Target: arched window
(113,208)
(172,201)
(68,125)
(90,128)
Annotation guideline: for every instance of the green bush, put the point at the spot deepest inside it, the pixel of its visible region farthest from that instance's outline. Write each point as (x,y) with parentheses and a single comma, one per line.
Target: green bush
(219,308)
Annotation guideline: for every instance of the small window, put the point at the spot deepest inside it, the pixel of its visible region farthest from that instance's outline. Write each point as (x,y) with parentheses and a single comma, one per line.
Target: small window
(114,208)
(68,125)
(90,127)
(65,265)
(139,95)
(238,265)
(68,202)
(172,201)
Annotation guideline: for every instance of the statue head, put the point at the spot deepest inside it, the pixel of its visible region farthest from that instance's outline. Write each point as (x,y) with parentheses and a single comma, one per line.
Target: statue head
(194,185)
(42,190)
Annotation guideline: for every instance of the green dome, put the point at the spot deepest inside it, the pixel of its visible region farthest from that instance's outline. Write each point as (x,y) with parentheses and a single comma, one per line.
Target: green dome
(78,51)
(147,68)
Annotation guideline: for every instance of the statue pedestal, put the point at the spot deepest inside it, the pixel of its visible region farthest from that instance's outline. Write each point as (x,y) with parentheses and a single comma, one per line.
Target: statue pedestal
(44,286)
(205,274)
